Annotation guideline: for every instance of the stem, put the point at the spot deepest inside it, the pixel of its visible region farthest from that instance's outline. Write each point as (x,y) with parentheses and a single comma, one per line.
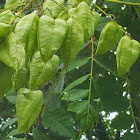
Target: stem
(22,10)
(101,10)
(136,11)
(91,73)
(17,3)
(76,1)
(123,2)
(131,106)
(40,5)
(59,4)
(120,28)
(109,17)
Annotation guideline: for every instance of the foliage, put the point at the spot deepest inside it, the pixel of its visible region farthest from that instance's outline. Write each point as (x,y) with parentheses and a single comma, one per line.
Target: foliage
(66,67)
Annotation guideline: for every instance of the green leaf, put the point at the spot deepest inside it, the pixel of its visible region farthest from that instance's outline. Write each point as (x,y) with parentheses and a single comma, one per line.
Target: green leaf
(75,94)
(134,78)
(38,135)
(125,16)
(10,122)
(85,44)
(88,118)
(78,106)
(136,102)
(76,82)
(122,121)
(77,63)
(115,7)
(29,104)
(110,90)
(11,96)
(60,84)
(108,62)
(13,133)
(5,79)
(130,136)
(41,72)
(59,121)
(85,112)
(134,29)
(52,101)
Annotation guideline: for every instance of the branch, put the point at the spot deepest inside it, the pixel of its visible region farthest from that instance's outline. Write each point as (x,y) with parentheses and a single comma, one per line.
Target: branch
(123,2)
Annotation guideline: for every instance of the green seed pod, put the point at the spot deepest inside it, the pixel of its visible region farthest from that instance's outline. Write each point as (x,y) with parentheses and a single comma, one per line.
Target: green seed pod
(28,107)
(26,30)
(51,34)
(12,52)
(53,8)
(23,74)
(73,3)
(64,15)
(87,1)
(70,4)
(73,41)
(6,17)
(82,14)
(127,53)
(96,18)
(4,29)
(40,72)
(109,37)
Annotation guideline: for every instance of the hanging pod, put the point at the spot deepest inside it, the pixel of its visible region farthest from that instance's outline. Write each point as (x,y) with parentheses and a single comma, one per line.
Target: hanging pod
(73,3)
(82,14)
(72,42)
(64,15)
(87,1)
(53,8)
(7,16)
(28,107)
(51,34)
(127,53)
(42,72)
(12,52)
(20,78)
(109,37)
(26,30)
(96,18)
(4,29)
